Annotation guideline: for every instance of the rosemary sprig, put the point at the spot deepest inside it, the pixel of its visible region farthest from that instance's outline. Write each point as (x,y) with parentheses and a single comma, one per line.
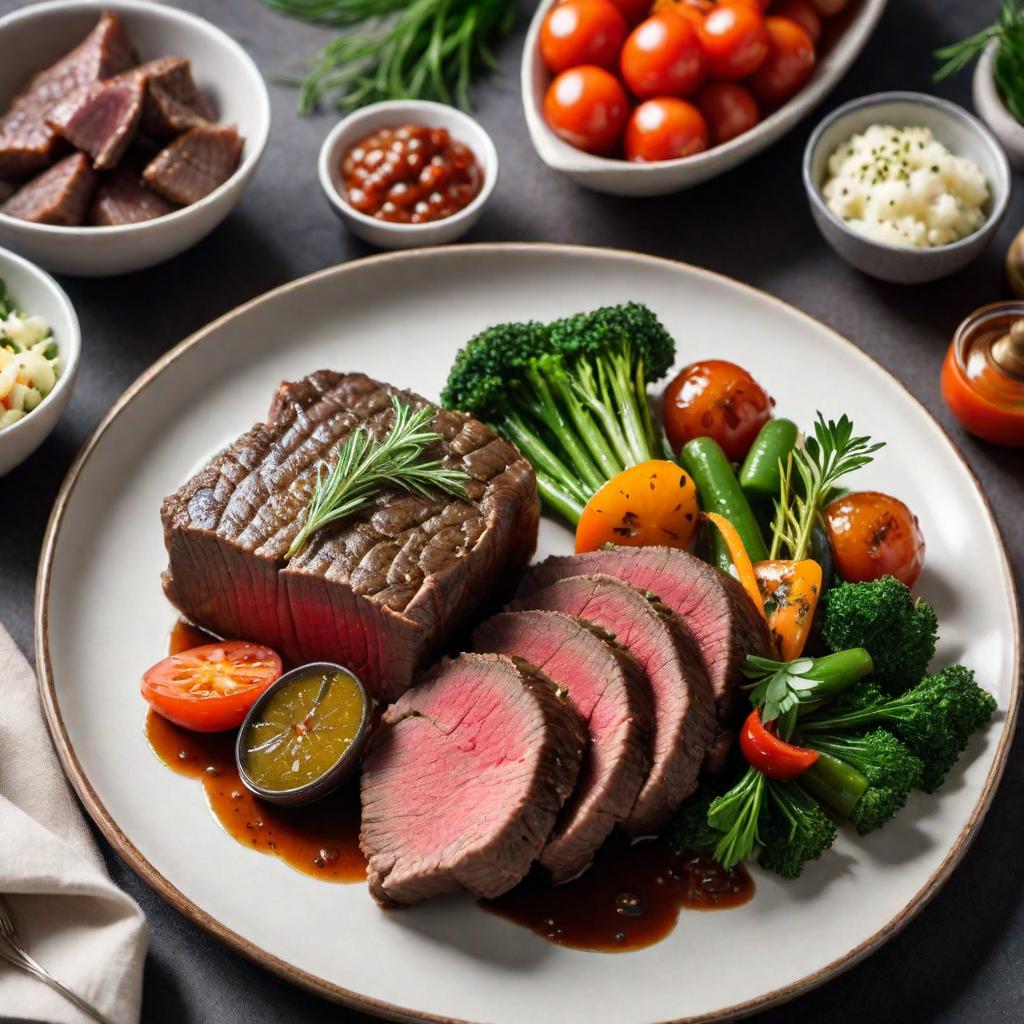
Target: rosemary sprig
(824,459)
(403,49)
(365,466)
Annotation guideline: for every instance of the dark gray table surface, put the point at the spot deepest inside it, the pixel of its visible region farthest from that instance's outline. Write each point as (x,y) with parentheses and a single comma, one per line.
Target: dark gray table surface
(962,959)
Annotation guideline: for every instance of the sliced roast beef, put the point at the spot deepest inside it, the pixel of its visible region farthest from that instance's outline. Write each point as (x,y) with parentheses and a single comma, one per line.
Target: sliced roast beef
(59,196)
(101,120)
(27,142)
(195,163)
(381,591)
(611,693)
(465,779)
(722,618)
(122,198)
(684,707)
(173,102)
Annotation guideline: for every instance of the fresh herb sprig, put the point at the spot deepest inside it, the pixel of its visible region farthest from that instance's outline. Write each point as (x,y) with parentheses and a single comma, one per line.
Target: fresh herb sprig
(809,476)
(365,466)
(1009,64)
(403,49)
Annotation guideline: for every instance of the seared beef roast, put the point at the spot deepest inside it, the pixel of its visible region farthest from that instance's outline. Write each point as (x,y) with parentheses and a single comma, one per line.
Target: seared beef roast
(465,778)
(684,708)
(722,618)
(379,592)
(610,691)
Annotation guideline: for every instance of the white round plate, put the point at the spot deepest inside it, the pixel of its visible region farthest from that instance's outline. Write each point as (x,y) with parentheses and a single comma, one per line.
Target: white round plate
(101,620)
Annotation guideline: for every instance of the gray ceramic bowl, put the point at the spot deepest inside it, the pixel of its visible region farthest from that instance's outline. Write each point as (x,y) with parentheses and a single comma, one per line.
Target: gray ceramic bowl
(961,133)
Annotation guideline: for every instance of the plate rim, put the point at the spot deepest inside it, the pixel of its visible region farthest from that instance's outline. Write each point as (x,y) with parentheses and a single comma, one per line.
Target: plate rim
(251,951)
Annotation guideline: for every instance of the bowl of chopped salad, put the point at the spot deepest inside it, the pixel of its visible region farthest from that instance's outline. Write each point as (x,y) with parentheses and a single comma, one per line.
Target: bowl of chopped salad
(40,344)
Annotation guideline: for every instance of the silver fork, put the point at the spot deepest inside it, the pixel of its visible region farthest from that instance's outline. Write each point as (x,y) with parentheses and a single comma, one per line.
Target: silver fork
(13,953)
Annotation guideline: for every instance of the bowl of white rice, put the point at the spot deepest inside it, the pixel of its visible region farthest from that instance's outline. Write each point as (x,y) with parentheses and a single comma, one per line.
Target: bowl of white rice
(904,186)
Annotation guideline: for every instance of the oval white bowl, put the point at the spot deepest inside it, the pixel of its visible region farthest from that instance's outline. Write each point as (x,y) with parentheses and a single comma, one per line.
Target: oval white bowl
(992,110)
(37,293)
(392,114)
(35,36)
(620,177)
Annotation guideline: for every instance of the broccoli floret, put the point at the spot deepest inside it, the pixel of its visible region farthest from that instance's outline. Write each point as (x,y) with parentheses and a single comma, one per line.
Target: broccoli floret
(689,829)
(793,829)
(883,616)
(865,778)
(572,395)
(934,719)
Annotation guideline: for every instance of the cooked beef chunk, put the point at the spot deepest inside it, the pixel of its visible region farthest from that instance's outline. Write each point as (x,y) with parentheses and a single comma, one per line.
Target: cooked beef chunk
(684,708)
(101,120)
(27,142)
(722,618)
(195,163)
(173,103)
(60,195)
(465,778)
(380,592)
(611,693)
(122,198)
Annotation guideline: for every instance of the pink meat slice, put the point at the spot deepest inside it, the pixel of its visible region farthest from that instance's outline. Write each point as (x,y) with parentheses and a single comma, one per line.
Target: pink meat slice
(101,120)
(684,707)
(194,164)
(611,693)
(122,198)
(27,142)
(465,778)
(59,196)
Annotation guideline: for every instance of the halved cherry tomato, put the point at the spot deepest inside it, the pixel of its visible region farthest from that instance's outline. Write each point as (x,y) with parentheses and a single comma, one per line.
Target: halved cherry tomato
(587,107)
(210,688)
(729,109)
(804,13)
(718,399)
(662,57)
(771,756)
(734,39)
(582,32)
(664,129)
(874,535)
(788,65)
(654,502)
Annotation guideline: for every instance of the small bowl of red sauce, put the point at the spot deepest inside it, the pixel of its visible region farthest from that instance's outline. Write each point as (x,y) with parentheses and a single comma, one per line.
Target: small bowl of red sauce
(408,173)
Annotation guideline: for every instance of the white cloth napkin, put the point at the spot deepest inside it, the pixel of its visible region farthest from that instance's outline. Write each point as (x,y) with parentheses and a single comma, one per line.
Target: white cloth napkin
(69,915)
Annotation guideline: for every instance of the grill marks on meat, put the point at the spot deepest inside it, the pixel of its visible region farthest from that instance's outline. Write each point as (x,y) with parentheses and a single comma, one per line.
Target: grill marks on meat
(195,163)
(609,690)
(27,142)
(465,779)
(684,708)
(58,196)
(102,119)
(122,198)
(380,592)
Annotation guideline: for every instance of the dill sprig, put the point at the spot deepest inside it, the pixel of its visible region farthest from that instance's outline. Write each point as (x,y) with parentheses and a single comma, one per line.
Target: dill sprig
(809,476)
(366,466)
(1009,64)
(403,49)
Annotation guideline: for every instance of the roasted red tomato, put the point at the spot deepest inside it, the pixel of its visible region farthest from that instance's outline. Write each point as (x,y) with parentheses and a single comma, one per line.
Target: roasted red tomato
(788,65)
(770,755)
(803,12)
(874,535)
(734,39)
(582,32)
(664,129)
(718,399)
(729,109)
(210,688)
(587,107)
(662,57)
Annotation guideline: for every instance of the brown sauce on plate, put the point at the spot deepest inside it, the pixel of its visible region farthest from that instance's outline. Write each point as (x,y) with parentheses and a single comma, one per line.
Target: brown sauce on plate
(629,898)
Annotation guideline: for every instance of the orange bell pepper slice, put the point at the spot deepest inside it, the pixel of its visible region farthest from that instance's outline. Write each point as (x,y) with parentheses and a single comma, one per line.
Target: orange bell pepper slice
(789,593)
(740,559)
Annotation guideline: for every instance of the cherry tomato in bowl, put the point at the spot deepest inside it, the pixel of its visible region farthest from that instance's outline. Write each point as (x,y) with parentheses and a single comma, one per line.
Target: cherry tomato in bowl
(804,13)
(210,688)
(633,11)
(827,8)
(588,108)
(717,399)
(665,129)
(734,39)
(662,56)
(874,535)
(788,65)
(729,110)
(582,32)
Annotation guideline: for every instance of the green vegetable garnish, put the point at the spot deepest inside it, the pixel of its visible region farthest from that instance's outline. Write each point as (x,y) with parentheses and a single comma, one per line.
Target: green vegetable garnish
(365,466)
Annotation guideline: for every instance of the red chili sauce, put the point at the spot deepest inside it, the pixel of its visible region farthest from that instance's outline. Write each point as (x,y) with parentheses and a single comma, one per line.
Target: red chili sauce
(410,175)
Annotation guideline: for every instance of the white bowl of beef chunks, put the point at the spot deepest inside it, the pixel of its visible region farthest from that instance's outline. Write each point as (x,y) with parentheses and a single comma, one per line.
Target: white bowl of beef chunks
(128,132)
